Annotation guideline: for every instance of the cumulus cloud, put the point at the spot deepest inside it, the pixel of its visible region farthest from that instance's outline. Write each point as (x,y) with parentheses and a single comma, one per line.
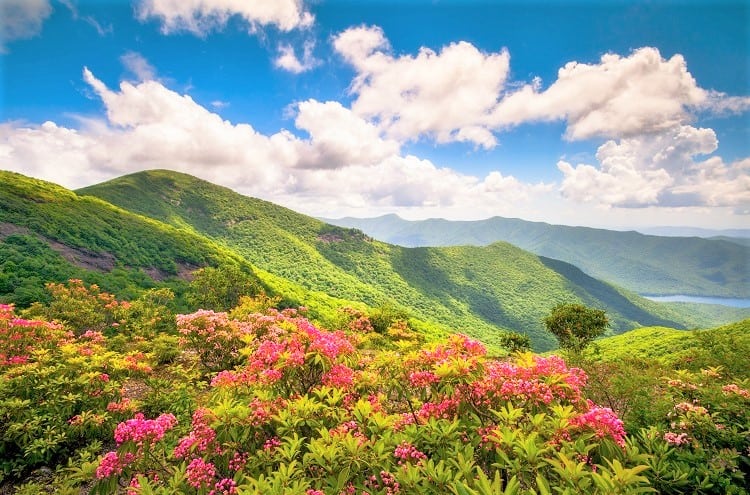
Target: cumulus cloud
(287,59)
(447,95)
(203,16)
(343,162)
(21,19)
(460,94)
(339,138)
(618,97)
(659,169)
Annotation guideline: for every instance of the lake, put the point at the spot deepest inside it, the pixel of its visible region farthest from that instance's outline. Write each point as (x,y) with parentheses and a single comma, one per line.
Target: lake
(735,302)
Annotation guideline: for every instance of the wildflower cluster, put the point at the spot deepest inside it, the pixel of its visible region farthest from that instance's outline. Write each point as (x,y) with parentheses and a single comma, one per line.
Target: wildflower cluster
(19,337)
(214,337)
(139,434)
(603,421)
(289,351)
(139,430)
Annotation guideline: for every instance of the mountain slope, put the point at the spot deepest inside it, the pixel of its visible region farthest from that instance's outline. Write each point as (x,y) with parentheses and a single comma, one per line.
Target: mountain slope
(475,290)
(645,264)
(670,345)
(48,233)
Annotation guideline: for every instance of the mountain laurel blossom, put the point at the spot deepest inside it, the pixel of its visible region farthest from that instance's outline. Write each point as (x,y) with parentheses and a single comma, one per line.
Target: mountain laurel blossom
(603,421)
(140,430)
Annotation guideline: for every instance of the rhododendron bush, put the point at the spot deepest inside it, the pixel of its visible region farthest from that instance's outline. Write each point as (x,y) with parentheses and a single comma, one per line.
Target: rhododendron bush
(307,412)
(268,402)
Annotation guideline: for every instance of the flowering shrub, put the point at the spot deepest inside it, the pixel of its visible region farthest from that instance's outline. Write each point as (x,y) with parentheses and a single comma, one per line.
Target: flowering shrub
(56,400)
(702,445)
(280,405)
(19,337)
(81,308)
(291,355)
(214,337)
(306,413)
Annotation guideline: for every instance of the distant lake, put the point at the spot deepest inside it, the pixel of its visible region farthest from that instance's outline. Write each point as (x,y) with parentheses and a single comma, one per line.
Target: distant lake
(735,302)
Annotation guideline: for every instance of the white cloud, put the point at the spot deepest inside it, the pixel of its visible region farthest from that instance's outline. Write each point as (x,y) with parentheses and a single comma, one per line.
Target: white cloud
(339,138)
(618,97)
(460,94)
(21,19)
(659,169)
(344,164)
(138,66)
(287,59)
(202,16)
(722,104)
(447,96)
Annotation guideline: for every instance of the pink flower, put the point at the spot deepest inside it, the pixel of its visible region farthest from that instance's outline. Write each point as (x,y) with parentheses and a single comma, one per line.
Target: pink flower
(141,430)
(604,422)
(407,452)
(445,409)
(225,486)
(238,461)
(423,378)
(133,487)
(271,444)
(733,388)
(339,376)
(200,472)
(109,465)
(201,437)
(675,439)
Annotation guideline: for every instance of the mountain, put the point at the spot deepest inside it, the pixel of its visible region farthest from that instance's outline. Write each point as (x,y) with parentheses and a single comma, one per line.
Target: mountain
(50,234)
(644,264)
(695,232)
(153,228)
(475,290)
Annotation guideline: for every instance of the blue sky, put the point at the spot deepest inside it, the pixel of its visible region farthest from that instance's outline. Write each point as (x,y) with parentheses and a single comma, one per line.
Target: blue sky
(613,114)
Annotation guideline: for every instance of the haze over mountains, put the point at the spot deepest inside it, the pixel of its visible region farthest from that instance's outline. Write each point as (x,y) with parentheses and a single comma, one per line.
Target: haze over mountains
(645,264)
(152,228)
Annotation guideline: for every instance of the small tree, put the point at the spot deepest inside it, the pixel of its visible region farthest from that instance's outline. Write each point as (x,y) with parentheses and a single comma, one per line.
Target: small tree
(220,289)
(575,325)
(515,342)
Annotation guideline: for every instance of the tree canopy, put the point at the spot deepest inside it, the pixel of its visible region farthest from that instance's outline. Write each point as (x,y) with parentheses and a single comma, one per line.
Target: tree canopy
(576,325)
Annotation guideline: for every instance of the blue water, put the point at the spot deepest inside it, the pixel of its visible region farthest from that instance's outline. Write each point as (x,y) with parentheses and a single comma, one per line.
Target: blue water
(724,301)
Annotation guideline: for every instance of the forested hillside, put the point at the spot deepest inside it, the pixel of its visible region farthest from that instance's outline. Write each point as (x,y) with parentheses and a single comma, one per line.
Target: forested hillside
(473,290)
(645,264)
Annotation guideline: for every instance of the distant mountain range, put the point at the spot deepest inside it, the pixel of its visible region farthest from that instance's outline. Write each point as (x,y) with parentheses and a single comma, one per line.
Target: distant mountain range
(153,228)
(646,264)
(731,234)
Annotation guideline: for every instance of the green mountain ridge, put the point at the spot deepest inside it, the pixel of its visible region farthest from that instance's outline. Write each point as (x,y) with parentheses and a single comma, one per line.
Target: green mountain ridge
(475,290)
(50,234)
(645,264)
(152,228)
